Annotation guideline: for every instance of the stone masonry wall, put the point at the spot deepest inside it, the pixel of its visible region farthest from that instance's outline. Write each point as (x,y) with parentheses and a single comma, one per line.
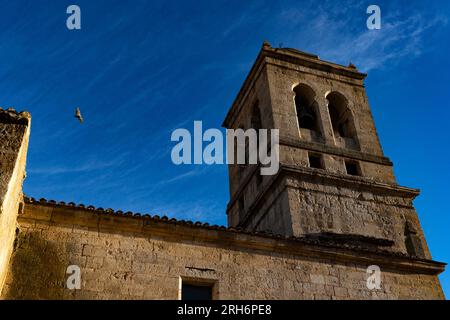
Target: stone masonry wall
(133,258)
(366,211)
(314,203)
(14,134)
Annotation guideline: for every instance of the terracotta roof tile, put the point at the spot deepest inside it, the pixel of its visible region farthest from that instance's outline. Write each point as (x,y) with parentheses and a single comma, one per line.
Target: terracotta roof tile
(197,224)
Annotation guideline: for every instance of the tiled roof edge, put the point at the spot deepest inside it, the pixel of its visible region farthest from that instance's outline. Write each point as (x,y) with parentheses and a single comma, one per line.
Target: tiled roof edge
(198,224)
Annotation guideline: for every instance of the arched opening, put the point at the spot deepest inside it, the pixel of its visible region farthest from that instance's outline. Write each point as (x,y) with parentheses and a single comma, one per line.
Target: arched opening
(342,120)
(306,107)
(340,115)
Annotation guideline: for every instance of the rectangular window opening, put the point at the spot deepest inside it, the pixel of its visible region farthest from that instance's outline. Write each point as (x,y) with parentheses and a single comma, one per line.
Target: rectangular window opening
(196,291)
(315,161)
(352,168)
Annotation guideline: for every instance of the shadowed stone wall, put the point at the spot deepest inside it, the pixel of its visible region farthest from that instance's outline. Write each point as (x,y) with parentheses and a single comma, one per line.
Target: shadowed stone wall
(14,134)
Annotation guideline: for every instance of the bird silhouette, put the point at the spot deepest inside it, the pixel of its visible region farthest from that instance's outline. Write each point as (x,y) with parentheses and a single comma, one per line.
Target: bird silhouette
(78,115)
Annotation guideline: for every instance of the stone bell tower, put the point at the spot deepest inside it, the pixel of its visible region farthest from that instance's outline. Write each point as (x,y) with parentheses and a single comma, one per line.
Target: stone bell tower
(334,181)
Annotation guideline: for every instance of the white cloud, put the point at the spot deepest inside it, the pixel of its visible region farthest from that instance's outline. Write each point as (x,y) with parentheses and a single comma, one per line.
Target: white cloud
(85,167)
(188,174)
(373,49)
(337,35)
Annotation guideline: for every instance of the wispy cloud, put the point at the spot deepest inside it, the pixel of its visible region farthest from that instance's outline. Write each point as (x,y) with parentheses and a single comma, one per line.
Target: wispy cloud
(336,34)
(373,49)
(189,174)
(85,167)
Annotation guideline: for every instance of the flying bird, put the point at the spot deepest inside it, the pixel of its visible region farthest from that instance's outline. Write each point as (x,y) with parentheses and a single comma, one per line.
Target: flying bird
(78,115)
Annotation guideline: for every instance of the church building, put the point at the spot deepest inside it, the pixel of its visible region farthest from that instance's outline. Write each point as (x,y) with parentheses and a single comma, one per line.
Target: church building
(332,223)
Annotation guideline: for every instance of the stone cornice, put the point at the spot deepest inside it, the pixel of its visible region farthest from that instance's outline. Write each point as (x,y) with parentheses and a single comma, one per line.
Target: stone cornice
(351,181)
(347,180)
(347,153)
(173,230)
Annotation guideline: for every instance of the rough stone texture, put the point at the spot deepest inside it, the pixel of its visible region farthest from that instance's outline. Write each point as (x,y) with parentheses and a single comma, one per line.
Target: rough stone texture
(14,134)
(305,201)
(312,200)
(125,257)
(363,209)
(305,233)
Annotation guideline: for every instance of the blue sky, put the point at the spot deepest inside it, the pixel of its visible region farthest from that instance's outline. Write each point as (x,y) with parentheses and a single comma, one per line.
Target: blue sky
(140,69)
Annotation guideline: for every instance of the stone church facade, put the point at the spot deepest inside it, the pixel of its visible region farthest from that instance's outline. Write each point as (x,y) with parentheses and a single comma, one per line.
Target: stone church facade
(309,232)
